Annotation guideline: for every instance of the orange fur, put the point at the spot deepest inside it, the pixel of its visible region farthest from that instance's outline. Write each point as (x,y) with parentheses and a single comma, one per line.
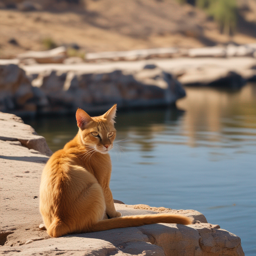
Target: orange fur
(74,191)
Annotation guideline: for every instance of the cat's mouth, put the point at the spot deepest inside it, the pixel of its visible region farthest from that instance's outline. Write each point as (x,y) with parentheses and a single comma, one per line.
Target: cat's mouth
(103,150)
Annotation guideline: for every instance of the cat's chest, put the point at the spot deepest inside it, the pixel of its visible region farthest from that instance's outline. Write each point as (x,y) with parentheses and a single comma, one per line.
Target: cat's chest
(99,166)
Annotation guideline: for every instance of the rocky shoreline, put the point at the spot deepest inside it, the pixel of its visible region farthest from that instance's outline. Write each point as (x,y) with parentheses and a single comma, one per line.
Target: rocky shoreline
(28,90)
(55,91)
(23,155)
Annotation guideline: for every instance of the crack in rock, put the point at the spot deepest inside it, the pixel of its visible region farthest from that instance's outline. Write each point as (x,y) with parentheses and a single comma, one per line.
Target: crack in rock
(3,237)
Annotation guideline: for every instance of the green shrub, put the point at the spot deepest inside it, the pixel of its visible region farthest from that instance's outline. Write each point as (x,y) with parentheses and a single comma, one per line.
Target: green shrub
(71,52)
(49,43)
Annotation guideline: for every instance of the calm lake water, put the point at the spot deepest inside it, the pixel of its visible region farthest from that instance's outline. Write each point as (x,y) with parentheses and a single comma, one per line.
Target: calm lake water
(200,155)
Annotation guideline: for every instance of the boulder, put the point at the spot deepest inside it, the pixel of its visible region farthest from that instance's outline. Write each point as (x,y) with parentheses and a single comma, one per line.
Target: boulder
(212,76)
(239,51)
(15,88)
(73,60)
(50,81)
(207,52)
(72,89)
(57,55)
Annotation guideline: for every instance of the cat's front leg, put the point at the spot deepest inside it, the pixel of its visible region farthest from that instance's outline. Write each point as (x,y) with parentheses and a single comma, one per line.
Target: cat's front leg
(110,207)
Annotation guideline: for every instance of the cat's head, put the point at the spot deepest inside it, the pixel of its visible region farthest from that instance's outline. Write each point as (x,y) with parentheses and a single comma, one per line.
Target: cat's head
(97,132)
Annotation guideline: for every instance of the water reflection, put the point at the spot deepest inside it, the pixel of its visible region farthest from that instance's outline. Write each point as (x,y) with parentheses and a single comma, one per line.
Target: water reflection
(216,116)
(206,117)
(141,127)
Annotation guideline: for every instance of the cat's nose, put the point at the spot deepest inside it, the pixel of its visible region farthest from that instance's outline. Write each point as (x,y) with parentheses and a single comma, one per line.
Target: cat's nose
(106,145)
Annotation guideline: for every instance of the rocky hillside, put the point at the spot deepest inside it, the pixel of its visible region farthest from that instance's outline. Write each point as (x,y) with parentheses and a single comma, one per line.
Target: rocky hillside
(111,25)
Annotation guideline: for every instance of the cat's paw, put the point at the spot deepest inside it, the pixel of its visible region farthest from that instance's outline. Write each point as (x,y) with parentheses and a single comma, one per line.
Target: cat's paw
(116,215)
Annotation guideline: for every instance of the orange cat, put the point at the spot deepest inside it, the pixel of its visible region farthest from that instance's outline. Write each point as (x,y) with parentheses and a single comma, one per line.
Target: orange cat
(74,191)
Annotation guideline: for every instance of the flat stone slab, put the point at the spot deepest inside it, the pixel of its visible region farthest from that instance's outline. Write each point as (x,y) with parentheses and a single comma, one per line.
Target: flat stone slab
(12,128)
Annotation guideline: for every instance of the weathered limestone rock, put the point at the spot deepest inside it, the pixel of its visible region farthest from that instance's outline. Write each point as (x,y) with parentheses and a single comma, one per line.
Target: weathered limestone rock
(132,55)
(230,50)
(65,91)
(145,87)
(12,128)
(73,60)
(207,52)
(239,51)
(20,219)
(57,55)
(15,88)
(212,76)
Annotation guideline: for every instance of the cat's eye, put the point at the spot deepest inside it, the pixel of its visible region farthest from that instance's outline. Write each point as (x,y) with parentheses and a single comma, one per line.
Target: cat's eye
(95,134)
(110,134)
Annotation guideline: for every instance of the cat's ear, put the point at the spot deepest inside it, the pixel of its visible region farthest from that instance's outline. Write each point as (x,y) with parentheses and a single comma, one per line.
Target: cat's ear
(111,113)
(82,118)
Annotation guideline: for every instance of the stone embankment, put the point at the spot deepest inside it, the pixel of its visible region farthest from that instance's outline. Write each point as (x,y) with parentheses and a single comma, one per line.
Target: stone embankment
(62,88)
(21,167)
(55,91)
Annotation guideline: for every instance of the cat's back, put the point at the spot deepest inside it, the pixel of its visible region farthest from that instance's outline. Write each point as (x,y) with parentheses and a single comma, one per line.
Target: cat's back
(62,159)
(62,180)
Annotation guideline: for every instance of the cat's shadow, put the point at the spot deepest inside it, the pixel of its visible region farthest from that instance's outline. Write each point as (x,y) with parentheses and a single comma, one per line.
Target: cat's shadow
(35,159)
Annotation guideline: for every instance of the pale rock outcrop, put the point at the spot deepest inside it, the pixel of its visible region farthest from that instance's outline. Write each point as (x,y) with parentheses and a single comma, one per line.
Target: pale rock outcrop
(207,52)
(64,91)
(142,54)
(145,87)
(12,128)
(20,219)
(188,71)
(56,55)
(230,50)
(212,76)
(73,60)
(15,88)
(239,50)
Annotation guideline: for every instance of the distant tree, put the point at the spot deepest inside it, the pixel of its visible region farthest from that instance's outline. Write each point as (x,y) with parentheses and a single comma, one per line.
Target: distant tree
(222,11)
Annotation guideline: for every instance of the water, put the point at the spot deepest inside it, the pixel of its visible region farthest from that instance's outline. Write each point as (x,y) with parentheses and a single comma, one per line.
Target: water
(199,156)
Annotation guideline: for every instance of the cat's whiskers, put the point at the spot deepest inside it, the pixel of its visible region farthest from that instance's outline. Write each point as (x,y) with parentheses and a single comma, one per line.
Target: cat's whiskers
(120,148)
(85,156)
(89,160)
(87,153)
(117,143)
(124,140)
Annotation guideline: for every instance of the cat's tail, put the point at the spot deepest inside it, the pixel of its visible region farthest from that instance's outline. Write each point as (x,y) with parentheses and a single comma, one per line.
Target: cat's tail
(139,220)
